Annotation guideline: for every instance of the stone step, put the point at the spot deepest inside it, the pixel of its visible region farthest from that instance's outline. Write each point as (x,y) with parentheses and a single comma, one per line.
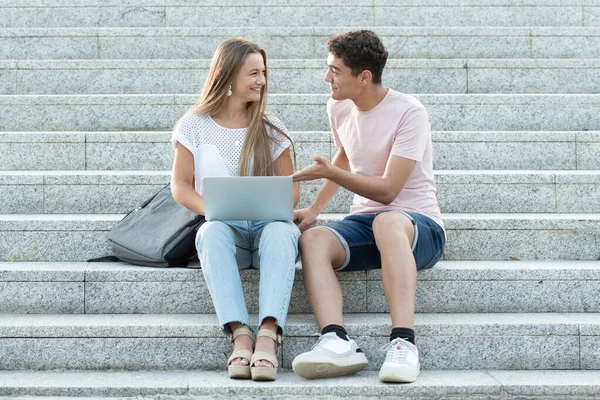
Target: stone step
(114,192)
(449,287)
(175,341)
(297,42)
(174,13)
(299,76)
(498,150)
(68,237)
(199,384)
(448,112)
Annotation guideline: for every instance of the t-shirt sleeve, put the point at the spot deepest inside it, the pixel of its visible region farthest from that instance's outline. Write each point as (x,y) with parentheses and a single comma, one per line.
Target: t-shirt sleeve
(184,133)
(279,142)
(412,135)
(332,124)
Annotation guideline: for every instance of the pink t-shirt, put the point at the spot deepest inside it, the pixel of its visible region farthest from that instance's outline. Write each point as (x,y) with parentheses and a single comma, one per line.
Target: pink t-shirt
(398,125)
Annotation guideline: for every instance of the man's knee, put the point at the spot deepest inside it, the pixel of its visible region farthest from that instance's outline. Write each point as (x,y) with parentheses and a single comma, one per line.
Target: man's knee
(321,243)
(393,227)
(314,238)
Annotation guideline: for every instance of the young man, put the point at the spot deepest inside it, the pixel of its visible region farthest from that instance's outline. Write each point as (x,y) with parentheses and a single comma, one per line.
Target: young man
(384,157)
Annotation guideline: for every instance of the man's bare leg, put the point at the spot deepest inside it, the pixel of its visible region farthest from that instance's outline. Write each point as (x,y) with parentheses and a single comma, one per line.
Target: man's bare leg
(333,355)
(394,233)
(322,252)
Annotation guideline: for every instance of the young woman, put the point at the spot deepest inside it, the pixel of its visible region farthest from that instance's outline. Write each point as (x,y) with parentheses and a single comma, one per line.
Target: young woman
(228,133)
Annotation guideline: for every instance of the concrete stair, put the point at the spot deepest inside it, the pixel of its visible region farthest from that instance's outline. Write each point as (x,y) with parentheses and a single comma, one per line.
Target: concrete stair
(195,384)
(175,341)
(215,13)
(144,151)
(114,192)
(301,112)
(450,287)
(89,91)
(181,76)
(298,42)
(553,236)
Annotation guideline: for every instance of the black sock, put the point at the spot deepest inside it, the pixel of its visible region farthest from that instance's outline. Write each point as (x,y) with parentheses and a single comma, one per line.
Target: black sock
(338,329)
(403,333)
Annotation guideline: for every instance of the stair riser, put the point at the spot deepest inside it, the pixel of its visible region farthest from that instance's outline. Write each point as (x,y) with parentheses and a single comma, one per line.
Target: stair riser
(158,155)
(437,352)
(299,113)
(302,80)
(573,241)
(361,14)
(359,297)
(300,76)
(452,198)
(184,81)
(295,43)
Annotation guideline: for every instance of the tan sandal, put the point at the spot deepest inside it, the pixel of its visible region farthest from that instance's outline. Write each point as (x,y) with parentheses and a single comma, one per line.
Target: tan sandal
(237,371)
(265,373)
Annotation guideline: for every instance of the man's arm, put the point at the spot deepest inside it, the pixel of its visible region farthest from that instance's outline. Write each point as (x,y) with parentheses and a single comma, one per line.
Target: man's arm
(380,189)
(307,216)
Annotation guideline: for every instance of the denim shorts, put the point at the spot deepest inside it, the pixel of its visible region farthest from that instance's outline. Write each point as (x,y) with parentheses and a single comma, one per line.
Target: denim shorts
(355,232)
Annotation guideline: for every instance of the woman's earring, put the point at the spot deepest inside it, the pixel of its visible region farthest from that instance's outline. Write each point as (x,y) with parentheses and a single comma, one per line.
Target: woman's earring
(229,92)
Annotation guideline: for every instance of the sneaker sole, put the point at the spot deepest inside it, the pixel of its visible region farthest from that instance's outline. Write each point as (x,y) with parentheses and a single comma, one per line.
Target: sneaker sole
(397,376)
(316,369)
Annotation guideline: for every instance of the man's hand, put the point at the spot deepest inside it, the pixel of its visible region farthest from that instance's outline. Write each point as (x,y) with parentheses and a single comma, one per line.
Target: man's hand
(305,217)
(321,168)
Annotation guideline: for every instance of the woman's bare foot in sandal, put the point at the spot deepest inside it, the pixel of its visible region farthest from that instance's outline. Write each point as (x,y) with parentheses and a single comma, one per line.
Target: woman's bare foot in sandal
(242,339)
(266,344)
(264,360)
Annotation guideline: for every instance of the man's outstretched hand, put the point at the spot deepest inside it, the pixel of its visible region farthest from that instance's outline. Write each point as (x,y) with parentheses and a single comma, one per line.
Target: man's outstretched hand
(321,168)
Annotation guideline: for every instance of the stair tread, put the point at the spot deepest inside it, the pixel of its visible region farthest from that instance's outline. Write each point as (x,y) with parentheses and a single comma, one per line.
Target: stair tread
(432,383)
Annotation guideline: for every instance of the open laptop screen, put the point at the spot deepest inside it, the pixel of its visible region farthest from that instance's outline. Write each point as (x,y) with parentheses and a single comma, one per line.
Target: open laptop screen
(248,198)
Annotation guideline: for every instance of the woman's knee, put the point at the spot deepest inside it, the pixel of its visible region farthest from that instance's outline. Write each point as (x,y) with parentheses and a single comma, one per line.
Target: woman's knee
(212,232)
(281,230)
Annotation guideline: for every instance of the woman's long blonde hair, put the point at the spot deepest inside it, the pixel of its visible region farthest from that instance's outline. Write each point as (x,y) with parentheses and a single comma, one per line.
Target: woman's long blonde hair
(256,157)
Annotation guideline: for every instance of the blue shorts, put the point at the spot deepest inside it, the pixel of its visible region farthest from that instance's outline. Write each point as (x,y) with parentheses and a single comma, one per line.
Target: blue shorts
(355,232)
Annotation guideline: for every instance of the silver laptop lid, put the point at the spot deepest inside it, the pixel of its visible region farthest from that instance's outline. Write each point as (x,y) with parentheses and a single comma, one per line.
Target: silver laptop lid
(248,198)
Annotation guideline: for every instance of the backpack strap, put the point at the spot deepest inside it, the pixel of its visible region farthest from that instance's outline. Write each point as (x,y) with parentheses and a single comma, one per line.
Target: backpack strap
(104,259)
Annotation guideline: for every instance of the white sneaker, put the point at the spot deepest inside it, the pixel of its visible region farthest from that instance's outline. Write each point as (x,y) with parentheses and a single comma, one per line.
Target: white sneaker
(331,356)
(401,362)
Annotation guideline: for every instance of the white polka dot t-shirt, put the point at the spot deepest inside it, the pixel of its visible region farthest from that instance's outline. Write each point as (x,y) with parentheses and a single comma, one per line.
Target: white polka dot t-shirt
(217,149)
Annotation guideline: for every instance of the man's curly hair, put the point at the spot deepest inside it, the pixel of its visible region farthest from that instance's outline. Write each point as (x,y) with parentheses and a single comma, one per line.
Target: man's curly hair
(360,50)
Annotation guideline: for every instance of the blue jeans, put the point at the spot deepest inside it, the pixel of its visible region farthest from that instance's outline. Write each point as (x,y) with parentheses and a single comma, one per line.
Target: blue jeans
(224,248)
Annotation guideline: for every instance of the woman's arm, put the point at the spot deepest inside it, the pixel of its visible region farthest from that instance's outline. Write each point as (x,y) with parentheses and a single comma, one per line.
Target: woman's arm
(285,167)
(182,181)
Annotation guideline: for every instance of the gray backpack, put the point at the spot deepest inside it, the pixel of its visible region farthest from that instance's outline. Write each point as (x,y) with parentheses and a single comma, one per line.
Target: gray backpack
(159,233)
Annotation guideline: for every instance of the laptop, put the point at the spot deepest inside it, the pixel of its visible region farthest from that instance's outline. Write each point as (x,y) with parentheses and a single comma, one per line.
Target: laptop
(248,198)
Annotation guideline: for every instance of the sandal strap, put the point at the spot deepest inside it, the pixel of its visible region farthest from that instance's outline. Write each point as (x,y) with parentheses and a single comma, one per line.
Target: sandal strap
(240,331)
(270,334)
(263,355)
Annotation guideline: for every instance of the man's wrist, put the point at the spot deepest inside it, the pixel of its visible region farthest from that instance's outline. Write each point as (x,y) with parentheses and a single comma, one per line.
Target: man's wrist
(314,208)
(333,173)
